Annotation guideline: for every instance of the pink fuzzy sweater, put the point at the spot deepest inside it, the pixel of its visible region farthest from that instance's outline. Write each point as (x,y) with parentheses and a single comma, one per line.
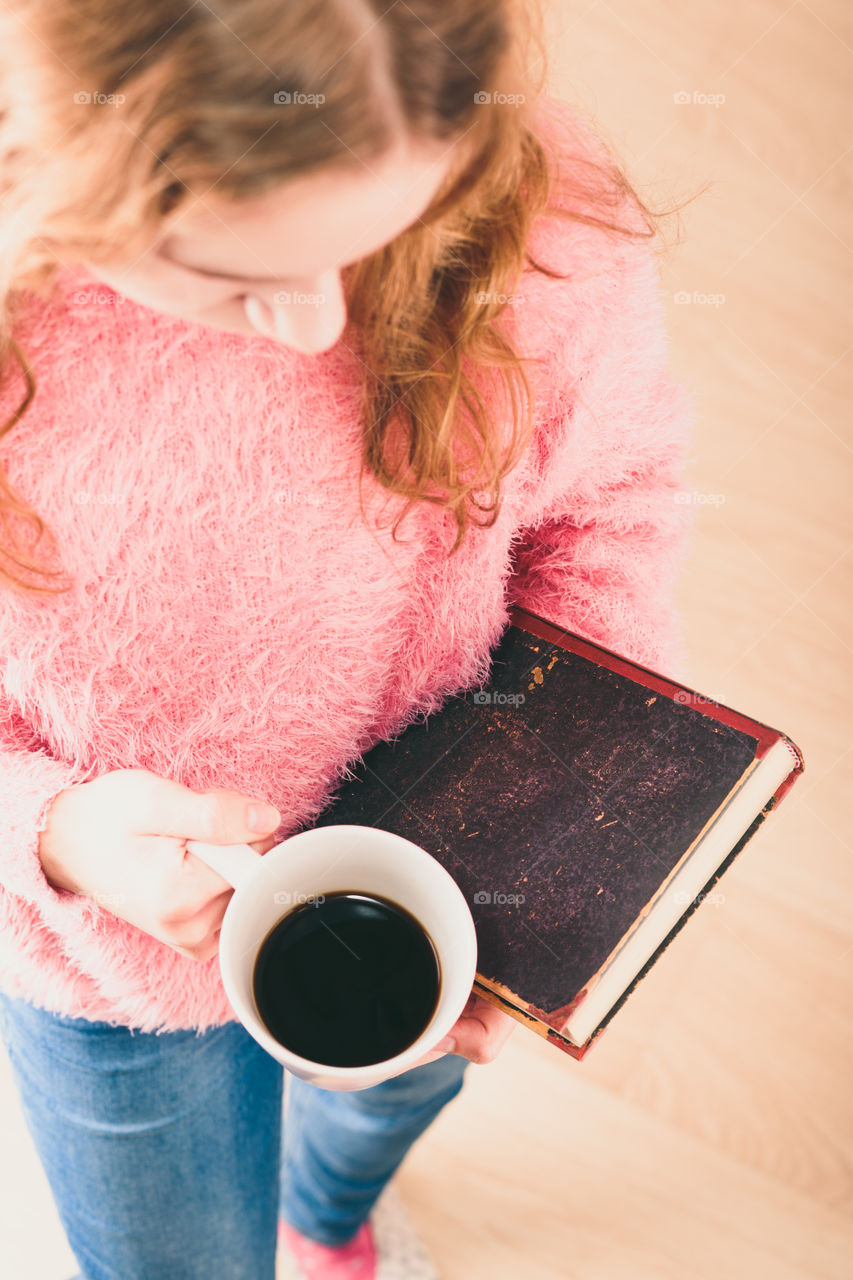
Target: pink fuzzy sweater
(234,623)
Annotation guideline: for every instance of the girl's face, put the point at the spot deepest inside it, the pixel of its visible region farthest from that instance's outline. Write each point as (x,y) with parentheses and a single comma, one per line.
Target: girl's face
(272,265)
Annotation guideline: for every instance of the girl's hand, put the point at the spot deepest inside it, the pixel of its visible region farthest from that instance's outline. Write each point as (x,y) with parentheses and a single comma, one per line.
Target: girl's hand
(121,840)
(480,1032)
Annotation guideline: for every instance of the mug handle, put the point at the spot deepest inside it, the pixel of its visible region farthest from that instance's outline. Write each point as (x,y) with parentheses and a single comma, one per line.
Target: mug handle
(234,862)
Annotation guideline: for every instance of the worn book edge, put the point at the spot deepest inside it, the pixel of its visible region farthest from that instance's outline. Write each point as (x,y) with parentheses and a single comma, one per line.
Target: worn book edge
(552,1025)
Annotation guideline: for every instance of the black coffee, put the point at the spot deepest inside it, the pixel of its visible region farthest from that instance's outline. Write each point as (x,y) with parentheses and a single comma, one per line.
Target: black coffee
(346,981)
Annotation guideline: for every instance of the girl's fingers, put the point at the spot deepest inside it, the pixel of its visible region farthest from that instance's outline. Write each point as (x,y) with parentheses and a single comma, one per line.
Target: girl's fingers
(482,1031)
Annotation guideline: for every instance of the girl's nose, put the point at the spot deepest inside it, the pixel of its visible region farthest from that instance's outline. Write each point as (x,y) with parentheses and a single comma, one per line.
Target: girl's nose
(309,315)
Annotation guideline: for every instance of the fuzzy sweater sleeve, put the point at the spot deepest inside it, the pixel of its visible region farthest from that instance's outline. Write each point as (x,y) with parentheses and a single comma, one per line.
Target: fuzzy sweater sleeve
(30,778)
(601,553)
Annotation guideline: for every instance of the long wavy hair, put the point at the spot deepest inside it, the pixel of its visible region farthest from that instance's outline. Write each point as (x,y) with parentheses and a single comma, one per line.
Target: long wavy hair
(198,86)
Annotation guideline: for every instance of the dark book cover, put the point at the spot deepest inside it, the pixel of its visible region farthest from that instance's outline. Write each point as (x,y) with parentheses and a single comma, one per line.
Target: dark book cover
(560,796)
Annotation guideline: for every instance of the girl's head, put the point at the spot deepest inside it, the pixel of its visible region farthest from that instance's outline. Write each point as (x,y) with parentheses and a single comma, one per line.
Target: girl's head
(226,161)
(286,167)
(273,264)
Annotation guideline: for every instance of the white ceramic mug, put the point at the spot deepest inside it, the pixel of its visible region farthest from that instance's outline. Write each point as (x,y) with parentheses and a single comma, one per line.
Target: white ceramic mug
(325,860)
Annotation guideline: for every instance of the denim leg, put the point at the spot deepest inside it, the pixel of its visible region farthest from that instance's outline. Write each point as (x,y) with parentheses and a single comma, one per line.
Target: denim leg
(162,1151)
(340,1149)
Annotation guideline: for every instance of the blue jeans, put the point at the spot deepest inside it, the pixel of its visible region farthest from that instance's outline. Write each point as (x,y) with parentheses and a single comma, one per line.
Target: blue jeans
(166,1154)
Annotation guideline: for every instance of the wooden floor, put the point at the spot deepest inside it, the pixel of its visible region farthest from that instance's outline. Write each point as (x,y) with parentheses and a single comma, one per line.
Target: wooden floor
(708,1135)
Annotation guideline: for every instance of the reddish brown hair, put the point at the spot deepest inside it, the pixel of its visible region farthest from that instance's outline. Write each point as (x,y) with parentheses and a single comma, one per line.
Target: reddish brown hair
(198,108)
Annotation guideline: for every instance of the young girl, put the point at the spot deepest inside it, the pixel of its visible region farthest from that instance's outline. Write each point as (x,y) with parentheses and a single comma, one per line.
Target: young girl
(326,337)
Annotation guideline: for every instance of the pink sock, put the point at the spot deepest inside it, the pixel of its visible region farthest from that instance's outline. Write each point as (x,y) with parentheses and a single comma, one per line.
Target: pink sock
(353,1261)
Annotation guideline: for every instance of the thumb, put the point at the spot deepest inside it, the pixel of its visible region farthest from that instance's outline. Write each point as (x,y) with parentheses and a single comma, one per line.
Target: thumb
(219,816)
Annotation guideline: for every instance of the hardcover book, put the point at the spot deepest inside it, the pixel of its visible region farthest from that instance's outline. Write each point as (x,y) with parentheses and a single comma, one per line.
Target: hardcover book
(585,805)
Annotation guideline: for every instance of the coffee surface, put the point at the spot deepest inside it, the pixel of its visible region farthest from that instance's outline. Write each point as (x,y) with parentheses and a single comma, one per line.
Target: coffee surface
(346,981)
